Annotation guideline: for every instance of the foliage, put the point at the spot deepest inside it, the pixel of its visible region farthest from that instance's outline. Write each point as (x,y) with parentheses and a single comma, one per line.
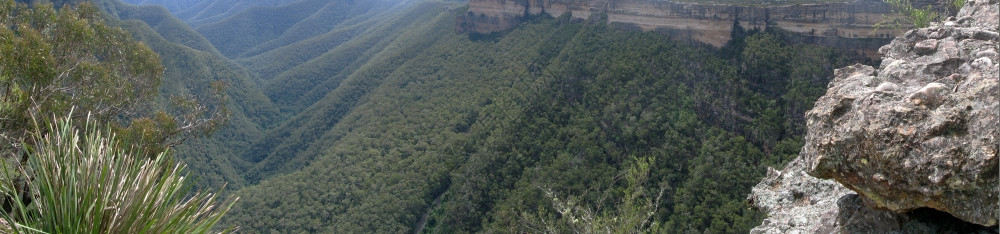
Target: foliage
(55,61)
(255,30)
(72,59)
(764,56)
(391,122)
(955,5)
(86,181)
(633,215)
(705,200)
(324,90)
(242,149)
(201,12)
(75,60)
(414,126)
(377,143)
(194,72)
(905,15)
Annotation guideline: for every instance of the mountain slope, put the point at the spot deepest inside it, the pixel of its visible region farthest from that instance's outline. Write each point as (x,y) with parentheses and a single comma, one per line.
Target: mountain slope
(333,15)
(303,84)
(332,85)
(171,5)
(312,69)
(241,32)
(191,64)
(481,124)
(389,121)
(199,12)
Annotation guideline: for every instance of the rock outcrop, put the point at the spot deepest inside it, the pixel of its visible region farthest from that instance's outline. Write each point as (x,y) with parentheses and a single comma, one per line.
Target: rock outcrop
(908,143)
(799,203)
(710,23)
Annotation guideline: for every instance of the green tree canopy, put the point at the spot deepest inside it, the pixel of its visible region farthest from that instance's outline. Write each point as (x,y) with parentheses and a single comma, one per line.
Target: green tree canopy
(68,59)
(56,61)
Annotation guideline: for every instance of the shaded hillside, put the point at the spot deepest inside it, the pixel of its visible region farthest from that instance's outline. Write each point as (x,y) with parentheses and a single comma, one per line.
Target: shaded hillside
(239,33)
(390,121)
(160,20)
(424,113)
(172,5)
(191,64)
(306,71)
(198,12)
(322,91)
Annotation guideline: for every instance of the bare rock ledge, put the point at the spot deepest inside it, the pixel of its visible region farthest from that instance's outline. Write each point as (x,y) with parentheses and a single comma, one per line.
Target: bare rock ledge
(904,147)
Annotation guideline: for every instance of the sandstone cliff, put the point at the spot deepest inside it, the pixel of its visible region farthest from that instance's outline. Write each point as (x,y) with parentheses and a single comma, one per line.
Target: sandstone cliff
(709,23)
(911,146)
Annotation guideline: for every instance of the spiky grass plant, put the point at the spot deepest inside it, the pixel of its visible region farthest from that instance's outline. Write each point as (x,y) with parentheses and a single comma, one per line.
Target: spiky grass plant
(88,182)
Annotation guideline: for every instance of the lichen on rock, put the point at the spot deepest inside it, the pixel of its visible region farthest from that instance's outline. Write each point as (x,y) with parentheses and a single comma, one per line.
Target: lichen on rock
(919,132)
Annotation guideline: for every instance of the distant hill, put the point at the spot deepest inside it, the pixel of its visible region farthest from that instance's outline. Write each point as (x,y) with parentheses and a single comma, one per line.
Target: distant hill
(198,12)
(191,63)
(257,30)
(172,5)
(304,64)
(236,27)
(377,116)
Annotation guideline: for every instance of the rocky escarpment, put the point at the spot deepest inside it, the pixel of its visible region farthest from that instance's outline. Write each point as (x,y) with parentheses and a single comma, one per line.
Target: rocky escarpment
(710,23)
(906,146)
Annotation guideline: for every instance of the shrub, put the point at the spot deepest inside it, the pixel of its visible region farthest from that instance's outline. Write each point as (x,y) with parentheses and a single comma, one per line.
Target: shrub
(906,13)
(90,182)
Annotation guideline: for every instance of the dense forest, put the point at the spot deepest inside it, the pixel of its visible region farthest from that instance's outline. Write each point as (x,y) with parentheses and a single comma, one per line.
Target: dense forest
(406,119)
(85,136)
(376,116)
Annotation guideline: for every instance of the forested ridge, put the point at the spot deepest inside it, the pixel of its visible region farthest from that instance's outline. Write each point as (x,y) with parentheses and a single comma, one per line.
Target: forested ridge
(191,64)
(486,124)
(376,116)
(87,123)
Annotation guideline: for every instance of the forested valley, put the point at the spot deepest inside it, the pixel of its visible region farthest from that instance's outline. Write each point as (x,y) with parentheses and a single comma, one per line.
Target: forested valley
(377,116)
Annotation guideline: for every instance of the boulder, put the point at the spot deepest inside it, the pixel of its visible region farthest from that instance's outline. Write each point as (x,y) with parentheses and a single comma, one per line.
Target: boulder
(799,203)
(919,135)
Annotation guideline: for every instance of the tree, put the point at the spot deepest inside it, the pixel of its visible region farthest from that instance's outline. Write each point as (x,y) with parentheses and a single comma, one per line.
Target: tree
(69,63)
(765,59)
(904,14)
(634,212)
(56,61)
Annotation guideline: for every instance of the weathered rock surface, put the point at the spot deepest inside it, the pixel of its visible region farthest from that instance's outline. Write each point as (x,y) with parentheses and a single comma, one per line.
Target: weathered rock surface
(799,203)
(921,132)
(710,23)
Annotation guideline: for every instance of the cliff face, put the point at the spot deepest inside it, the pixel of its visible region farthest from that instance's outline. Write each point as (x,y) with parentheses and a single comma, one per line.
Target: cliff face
(912,146)
(706,23)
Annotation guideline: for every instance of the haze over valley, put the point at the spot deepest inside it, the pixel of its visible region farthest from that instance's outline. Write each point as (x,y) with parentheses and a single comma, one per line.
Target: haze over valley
(499,116)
